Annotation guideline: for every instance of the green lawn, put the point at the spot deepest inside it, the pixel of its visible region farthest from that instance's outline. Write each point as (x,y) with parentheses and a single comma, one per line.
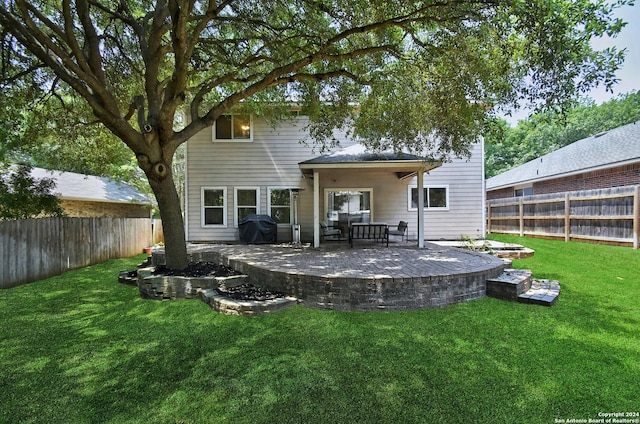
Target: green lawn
(81,348)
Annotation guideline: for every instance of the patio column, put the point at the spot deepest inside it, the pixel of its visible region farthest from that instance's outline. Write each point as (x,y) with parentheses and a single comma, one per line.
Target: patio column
(420,209)
(316,208)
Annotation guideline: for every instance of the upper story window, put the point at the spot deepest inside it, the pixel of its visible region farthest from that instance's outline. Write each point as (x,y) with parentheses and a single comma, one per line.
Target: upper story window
(233,128)
(435,197)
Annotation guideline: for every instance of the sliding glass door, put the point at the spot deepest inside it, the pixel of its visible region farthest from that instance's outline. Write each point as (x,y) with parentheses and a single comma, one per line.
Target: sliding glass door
(346,206)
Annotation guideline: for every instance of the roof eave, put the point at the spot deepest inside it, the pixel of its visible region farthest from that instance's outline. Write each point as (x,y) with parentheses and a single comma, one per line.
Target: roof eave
(391,164)
(564,174)
(102,200)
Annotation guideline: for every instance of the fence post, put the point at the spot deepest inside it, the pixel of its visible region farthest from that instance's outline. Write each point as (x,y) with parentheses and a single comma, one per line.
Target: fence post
(521,213)
(567,217)
(488,218)
(636,217)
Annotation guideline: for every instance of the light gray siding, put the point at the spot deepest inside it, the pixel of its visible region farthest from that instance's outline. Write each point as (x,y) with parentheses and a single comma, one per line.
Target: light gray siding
(465,216)
(271,160)
(463,179)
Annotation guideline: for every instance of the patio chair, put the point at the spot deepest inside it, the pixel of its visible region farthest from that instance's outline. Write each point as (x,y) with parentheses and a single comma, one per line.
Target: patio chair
(401,230)
(330,233)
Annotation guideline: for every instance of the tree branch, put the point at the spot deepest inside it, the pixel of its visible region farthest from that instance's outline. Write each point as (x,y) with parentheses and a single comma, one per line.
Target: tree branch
(319,77)
(321,54)
(92,40)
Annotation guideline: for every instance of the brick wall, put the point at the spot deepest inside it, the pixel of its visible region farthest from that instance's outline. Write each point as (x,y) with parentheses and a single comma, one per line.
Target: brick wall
(500,194)
(605,178)
(82,209)
(627,175)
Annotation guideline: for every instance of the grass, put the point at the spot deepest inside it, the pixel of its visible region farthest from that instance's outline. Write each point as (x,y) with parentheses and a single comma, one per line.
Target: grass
(81,348)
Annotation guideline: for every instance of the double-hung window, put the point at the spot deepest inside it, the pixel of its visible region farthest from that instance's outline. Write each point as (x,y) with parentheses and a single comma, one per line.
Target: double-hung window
(247,202)
(233,128)
(214,206)
(280,205)
(435,198)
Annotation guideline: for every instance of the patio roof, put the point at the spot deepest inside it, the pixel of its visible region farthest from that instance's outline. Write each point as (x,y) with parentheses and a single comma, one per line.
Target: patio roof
(404,164)
(359,158)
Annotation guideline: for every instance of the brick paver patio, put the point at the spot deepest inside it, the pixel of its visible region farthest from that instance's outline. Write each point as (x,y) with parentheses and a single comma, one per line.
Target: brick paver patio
(364,261)
(368,276)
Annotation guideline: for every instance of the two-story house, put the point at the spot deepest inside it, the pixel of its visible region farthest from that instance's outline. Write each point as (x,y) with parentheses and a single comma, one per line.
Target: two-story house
(243,165)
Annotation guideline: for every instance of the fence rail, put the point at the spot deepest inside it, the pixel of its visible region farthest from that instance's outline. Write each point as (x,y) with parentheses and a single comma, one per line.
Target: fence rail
(606,215)
(34,249)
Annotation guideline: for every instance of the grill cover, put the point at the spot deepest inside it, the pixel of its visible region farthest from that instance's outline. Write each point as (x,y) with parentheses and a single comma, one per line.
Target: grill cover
(257,229)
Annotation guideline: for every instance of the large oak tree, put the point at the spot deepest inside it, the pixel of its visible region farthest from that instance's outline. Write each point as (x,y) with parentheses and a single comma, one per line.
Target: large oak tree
(423,74)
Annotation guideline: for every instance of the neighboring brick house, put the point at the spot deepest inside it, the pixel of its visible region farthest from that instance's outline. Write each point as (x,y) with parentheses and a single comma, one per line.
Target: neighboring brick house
(605,160)
(98,197)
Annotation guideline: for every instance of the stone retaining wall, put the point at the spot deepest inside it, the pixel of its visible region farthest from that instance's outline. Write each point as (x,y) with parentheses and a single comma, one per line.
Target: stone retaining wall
(164,287)
(360,294)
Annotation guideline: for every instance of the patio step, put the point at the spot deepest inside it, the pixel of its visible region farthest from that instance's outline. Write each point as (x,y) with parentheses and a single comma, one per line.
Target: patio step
(244,307)
(510,284)
(517,285)
(542,292)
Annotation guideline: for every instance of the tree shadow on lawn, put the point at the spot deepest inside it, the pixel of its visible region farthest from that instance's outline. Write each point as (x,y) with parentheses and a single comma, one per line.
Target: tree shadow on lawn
(100,355)
(264,374)
(103,354)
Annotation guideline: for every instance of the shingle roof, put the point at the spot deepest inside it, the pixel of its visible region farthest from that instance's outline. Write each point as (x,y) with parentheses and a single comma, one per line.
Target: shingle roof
(70,185)
(359,153)
(611,148)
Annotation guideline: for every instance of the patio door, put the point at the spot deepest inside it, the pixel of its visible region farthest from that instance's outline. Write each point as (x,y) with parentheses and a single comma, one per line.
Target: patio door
(346,206)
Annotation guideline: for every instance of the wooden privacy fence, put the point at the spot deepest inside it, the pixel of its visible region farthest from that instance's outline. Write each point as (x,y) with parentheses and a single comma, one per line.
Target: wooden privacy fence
(606,215)
(157,231)
(34,249)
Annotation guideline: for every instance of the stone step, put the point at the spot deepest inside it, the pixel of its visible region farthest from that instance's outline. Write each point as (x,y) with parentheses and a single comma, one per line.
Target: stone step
(244,307)
(232,281)
(128,277)
(510,284)
(164,287)
(542,292)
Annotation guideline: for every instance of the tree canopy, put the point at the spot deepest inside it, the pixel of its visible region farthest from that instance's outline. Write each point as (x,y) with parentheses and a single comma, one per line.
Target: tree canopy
(545,132)
(40,129)
(423,74)
(23,196)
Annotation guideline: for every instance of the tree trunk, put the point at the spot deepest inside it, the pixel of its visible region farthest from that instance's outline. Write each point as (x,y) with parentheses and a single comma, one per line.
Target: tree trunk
(172,221)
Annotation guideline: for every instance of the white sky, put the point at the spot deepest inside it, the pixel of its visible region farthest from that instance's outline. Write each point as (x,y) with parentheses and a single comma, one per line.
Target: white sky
(629,72)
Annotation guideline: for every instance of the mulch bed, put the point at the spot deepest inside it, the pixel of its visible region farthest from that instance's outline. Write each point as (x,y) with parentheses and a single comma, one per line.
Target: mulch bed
(198,269)
(210,269)
(248,292)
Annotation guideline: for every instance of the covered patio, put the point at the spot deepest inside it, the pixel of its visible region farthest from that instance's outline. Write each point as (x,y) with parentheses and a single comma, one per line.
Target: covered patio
(357,161)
